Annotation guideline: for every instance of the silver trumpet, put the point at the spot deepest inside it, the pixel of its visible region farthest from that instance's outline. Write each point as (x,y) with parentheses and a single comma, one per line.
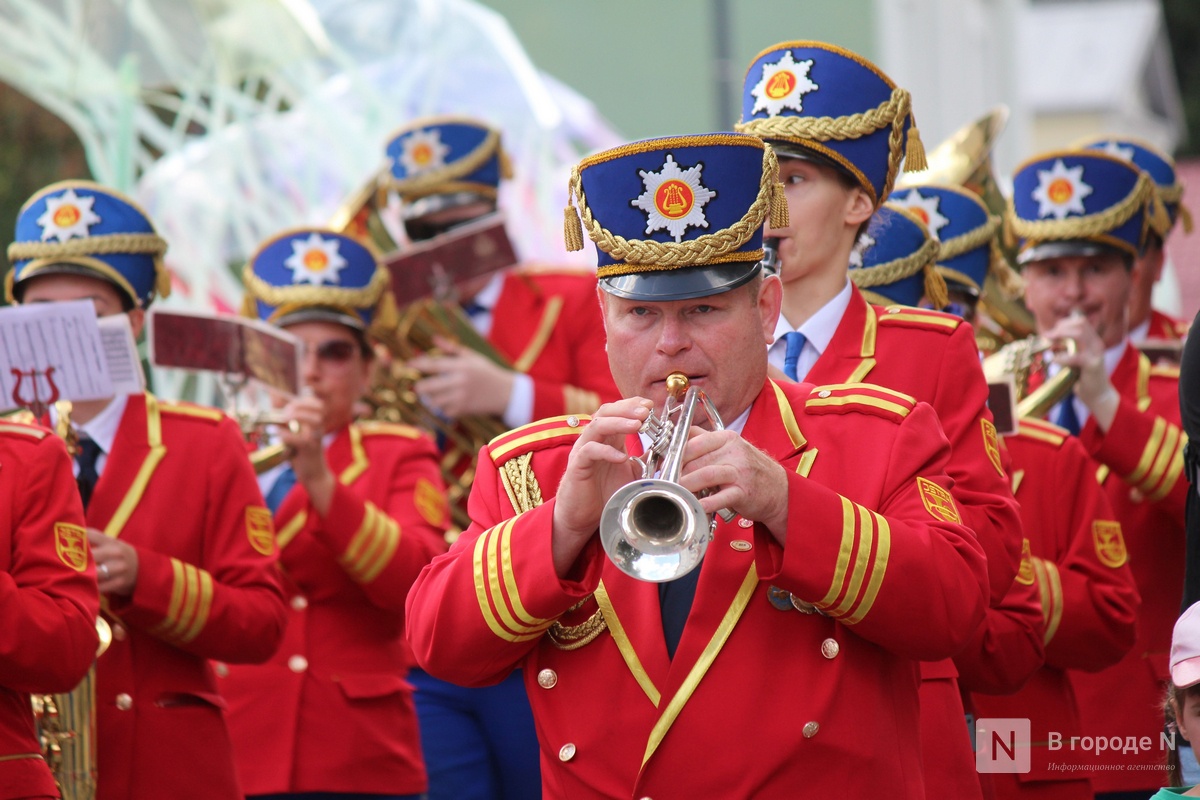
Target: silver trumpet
(653,529)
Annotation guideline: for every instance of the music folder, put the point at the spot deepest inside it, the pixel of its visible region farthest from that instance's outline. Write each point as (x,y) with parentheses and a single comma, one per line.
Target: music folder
(235,347)
(61,351)
(433,268)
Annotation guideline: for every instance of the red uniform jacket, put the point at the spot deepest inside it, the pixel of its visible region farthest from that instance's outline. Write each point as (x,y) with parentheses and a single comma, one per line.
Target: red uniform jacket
(332,711)
(932,356)
(549,327)
(1163,326)
(758,701)
(48,597)
(1141,469)
(178,487)
(1089,604)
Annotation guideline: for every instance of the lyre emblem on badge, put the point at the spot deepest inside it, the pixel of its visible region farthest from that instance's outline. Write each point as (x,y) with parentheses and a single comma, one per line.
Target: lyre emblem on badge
(1025,573)
(783,85)
(430,502)
(67,216)
(991,444)
(674,198)
(260,529)
(1061,191)
(1109,543)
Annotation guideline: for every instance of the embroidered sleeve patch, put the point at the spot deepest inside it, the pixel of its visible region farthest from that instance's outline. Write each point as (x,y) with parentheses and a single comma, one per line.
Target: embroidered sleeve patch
(70,542)
(430,502)
(992,445)
(1109,543)
(938,501)
(1025,573)
(260,529)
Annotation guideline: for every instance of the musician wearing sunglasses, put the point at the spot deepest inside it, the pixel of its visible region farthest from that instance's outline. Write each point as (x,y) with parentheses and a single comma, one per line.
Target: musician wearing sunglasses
(359,508)
(840,561)
(184,548)
(1083,218)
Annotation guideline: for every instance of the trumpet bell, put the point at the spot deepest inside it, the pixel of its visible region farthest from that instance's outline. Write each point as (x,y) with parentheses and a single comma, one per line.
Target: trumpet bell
(655,530)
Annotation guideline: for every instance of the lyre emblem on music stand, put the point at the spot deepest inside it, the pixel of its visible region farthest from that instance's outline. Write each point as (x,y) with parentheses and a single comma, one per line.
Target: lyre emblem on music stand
(36,404)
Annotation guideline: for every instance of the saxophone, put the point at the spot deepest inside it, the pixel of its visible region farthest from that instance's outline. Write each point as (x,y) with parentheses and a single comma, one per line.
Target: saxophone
(65,722)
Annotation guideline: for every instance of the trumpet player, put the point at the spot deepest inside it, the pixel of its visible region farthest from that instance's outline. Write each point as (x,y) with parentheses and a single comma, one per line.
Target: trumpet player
(835,571)
(1083,218)
(48,591)
(360,507)
(810,100)
(184,548)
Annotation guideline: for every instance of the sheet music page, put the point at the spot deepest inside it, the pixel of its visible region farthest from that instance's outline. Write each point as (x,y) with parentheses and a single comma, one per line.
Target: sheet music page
(51,351)
(121,354)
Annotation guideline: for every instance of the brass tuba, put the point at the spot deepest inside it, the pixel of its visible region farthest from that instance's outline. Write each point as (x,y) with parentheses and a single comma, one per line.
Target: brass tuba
(653,529)
(965,159)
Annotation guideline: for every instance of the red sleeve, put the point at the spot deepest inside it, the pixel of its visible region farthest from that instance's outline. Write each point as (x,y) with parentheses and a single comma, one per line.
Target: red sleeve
(48,596)
(475,612)
(229,606)
(898,575)
(978,465)
(1090,599)
(382,546)
(1006,650)
(1145,448)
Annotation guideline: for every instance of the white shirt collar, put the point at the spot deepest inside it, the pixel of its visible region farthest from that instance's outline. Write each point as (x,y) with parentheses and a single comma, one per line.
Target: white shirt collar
(490,293)
(102,428)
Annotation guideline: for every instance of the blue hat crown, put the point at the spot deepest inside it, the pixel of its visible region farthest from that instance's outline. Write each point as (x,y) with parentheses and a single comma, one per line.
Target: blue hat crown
(836,104)
(1084,195)
(445,154)
(80,226)
(312,268)
(893,260)
(1155,163)
(960,222)
(677,202)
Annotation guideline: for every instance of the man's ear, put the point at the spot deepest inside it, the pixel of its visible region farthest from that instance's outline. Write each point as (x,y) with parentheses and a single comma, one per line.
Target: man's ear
(860,208)
(137,321)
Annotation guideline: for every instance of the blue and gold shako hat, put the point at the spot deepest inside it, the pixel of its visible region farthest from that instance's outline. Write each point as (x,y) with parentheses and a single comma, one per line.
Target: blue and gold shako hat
(89,229)
(678,217)
(315,274)
(893,260)
(820,101)
(967,234)
(454,159)
(1082,202)
(1155,163)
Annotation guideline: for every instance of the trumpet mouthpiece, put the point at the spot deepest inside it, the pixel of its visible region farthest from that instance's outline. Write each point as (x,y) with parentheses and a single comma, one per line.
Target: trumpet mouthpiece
(677,384)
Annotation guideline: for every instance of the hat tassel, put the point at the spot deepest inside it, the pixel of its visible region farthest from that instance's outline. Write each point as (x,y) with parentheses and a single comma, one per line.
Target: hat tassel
(779,207)
(162,281)
(249,306)
(572,228)
(1160,220)
(914,156)
(1185,217)
(506,169)
(935,288)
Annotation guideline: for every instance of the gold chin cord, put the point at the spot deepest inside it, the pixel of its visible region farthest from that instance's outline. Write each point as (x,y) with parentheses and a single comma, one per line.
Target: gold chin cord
(1027,361)
(66,721)
(653,529)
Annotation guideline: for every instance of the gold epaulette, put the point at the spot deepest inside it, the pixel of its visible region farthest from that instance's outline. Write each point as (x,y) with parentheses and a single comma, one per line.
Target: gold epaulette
(1043,431)
(23,429)
(191,410)
(21,416)
(864,398)
(1169,371)
(909,317)
(540,435)
(378,427)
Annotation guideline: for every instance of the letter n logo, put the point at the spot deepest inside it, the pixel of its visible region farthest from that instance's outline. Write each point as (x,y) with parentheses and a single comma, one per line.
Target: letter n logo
(1002,745)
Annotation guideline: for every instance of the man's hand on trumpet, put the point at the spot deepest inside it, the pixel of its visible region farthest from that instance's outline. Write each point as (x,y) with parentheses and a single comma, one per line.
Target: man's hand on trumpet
(302,438)
(1093,387)
(597,467)
(741,478)
(461,382)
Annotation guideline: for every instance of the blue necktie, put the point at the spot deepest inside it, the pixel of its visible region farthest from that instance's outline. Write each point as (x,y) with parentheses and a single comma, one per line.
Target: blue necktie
(473,309)
(795,343)
(279,490)
(1066,416)
(675,598)
(86,454)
